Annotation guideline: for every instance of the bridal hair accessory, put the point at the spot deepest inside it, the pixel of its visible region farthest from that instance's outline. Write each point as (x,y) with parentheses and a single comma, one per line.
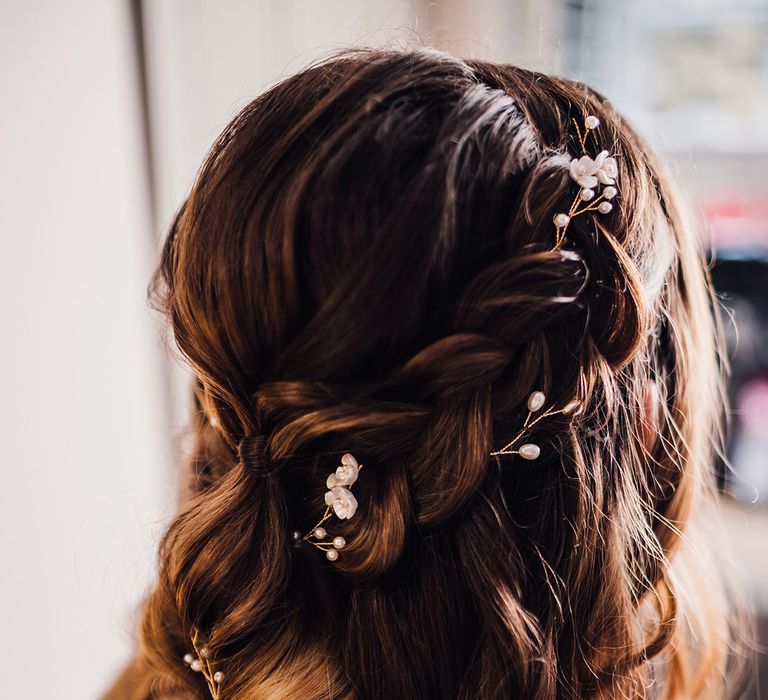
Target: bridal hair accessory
(531,450)
(202,664)
(339,501)
(589,173)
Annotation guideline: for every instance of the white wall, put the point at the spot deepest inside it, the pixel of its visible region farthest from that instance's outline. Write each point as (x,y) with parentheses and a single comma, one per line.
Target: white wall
(207,58)
(85,459)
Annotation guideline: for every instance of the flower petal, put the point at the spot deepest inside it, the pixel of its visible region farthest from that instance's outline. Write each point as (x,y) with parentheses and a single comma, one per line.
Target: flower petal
(587,164)
(600,159)
(349,460)
(344,503)
(346,475)
(604,178)
(574,169)
(350,505)
(610,168)
(583,169)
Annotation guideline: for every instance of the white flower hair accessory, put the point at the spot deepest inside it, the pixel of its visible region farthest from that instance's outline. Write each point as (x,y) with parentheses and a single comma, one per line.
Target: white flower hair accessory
(589,173)
(530,450)
(339,501)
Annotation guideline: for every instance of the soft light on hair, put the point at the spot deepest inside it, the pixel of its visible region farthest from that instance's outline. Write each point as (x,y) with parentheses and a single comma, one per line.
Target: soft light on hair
(365,264)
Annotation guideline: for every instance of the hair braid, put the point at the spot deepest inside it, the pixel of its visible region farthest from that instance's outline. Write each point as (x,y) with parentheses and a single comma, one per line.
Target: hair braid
(367,263)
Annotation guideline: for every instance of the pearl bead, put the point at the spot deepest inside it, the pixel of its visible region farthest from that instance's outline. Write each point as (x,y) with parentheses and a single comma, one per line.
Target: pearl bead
(605,207)
(205,653)
(218,677)
(332,555)
(320,533)
(610,192)
(592,122)
(587,194)
(196,665)
(296,535)
(339,542)
(536,400)
(529,451)
(572,406)
(188,658)
(561,220)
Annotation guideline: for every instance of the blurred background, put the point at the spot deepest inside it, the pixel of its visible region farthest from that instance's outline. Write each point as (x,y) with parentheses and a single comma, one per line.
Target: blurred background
(108,107)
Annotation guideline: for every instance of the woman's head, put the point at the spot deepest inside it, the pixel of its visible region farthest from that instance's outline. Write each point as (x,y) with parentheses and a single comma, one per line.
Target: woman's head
(367,263)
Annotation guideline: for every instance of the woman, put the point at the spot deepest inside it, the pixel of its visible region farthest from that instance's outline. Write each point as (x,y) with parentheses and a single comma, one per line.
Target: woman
(457,385)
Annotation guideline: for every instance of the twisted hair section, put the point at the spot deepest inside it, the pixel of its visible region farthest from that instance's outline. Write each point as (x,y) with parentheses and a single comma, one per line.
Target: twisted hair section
(365,263)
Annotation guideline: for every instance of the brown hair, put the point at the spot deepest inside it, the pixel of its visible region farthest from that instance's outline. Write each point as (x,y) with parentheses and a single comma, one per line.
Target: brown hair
(365,263)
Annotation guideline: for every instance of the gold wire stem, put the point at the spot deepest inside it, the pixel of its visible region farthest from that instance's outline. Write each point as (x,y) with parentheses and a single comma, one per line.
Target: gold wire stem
(575,211)
(207,670)
(526,429)
(574,204)
(326,516)
(560,230)
(582,138)
(590,207)
(505,450)
(212,685)
(527,418)
(578,131)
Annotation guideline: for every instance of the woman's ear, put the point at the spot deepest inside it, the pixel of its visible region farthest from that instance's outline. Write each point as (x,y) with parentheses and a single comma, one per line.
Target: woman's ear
(651,414)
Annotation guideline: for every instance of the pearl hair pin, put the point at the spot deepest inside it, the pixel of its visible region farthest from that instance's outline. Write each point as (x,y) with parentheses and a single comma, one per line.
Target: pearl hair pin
(530,450)
(589,173)
(202,664)
(339,501)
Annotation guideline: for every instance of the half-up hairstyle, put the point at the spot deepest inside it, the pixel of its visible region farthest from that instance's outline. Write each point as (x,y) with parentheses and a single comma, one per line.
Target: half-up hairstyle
(366,263)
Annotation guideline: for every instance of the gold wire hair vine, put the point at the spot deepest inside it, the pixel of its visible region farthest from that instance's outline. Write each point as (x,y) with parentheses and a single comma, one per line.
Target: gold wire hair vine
(531,450)
(339,501)
(589,173)
(202,664)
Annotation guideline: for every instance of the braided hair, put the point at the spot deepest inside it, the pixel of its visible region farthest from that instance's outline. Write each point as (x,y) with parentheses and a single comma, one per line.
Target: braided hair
(366,263)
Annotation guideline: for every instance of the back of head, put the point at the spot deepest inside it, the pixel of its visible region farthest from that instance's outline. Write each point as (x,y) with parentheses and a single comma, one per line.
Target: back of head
(368,263)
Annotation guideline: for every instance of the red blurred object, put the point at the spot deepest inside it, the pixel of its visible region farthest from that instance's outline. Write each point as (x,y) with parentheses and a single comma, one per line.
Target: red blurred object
(737,223)
(753,407)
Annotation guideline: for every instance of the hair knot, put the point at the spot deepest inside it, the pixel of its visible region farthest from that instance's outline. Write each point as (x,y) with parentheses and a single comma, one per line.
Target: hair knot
(253,454)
